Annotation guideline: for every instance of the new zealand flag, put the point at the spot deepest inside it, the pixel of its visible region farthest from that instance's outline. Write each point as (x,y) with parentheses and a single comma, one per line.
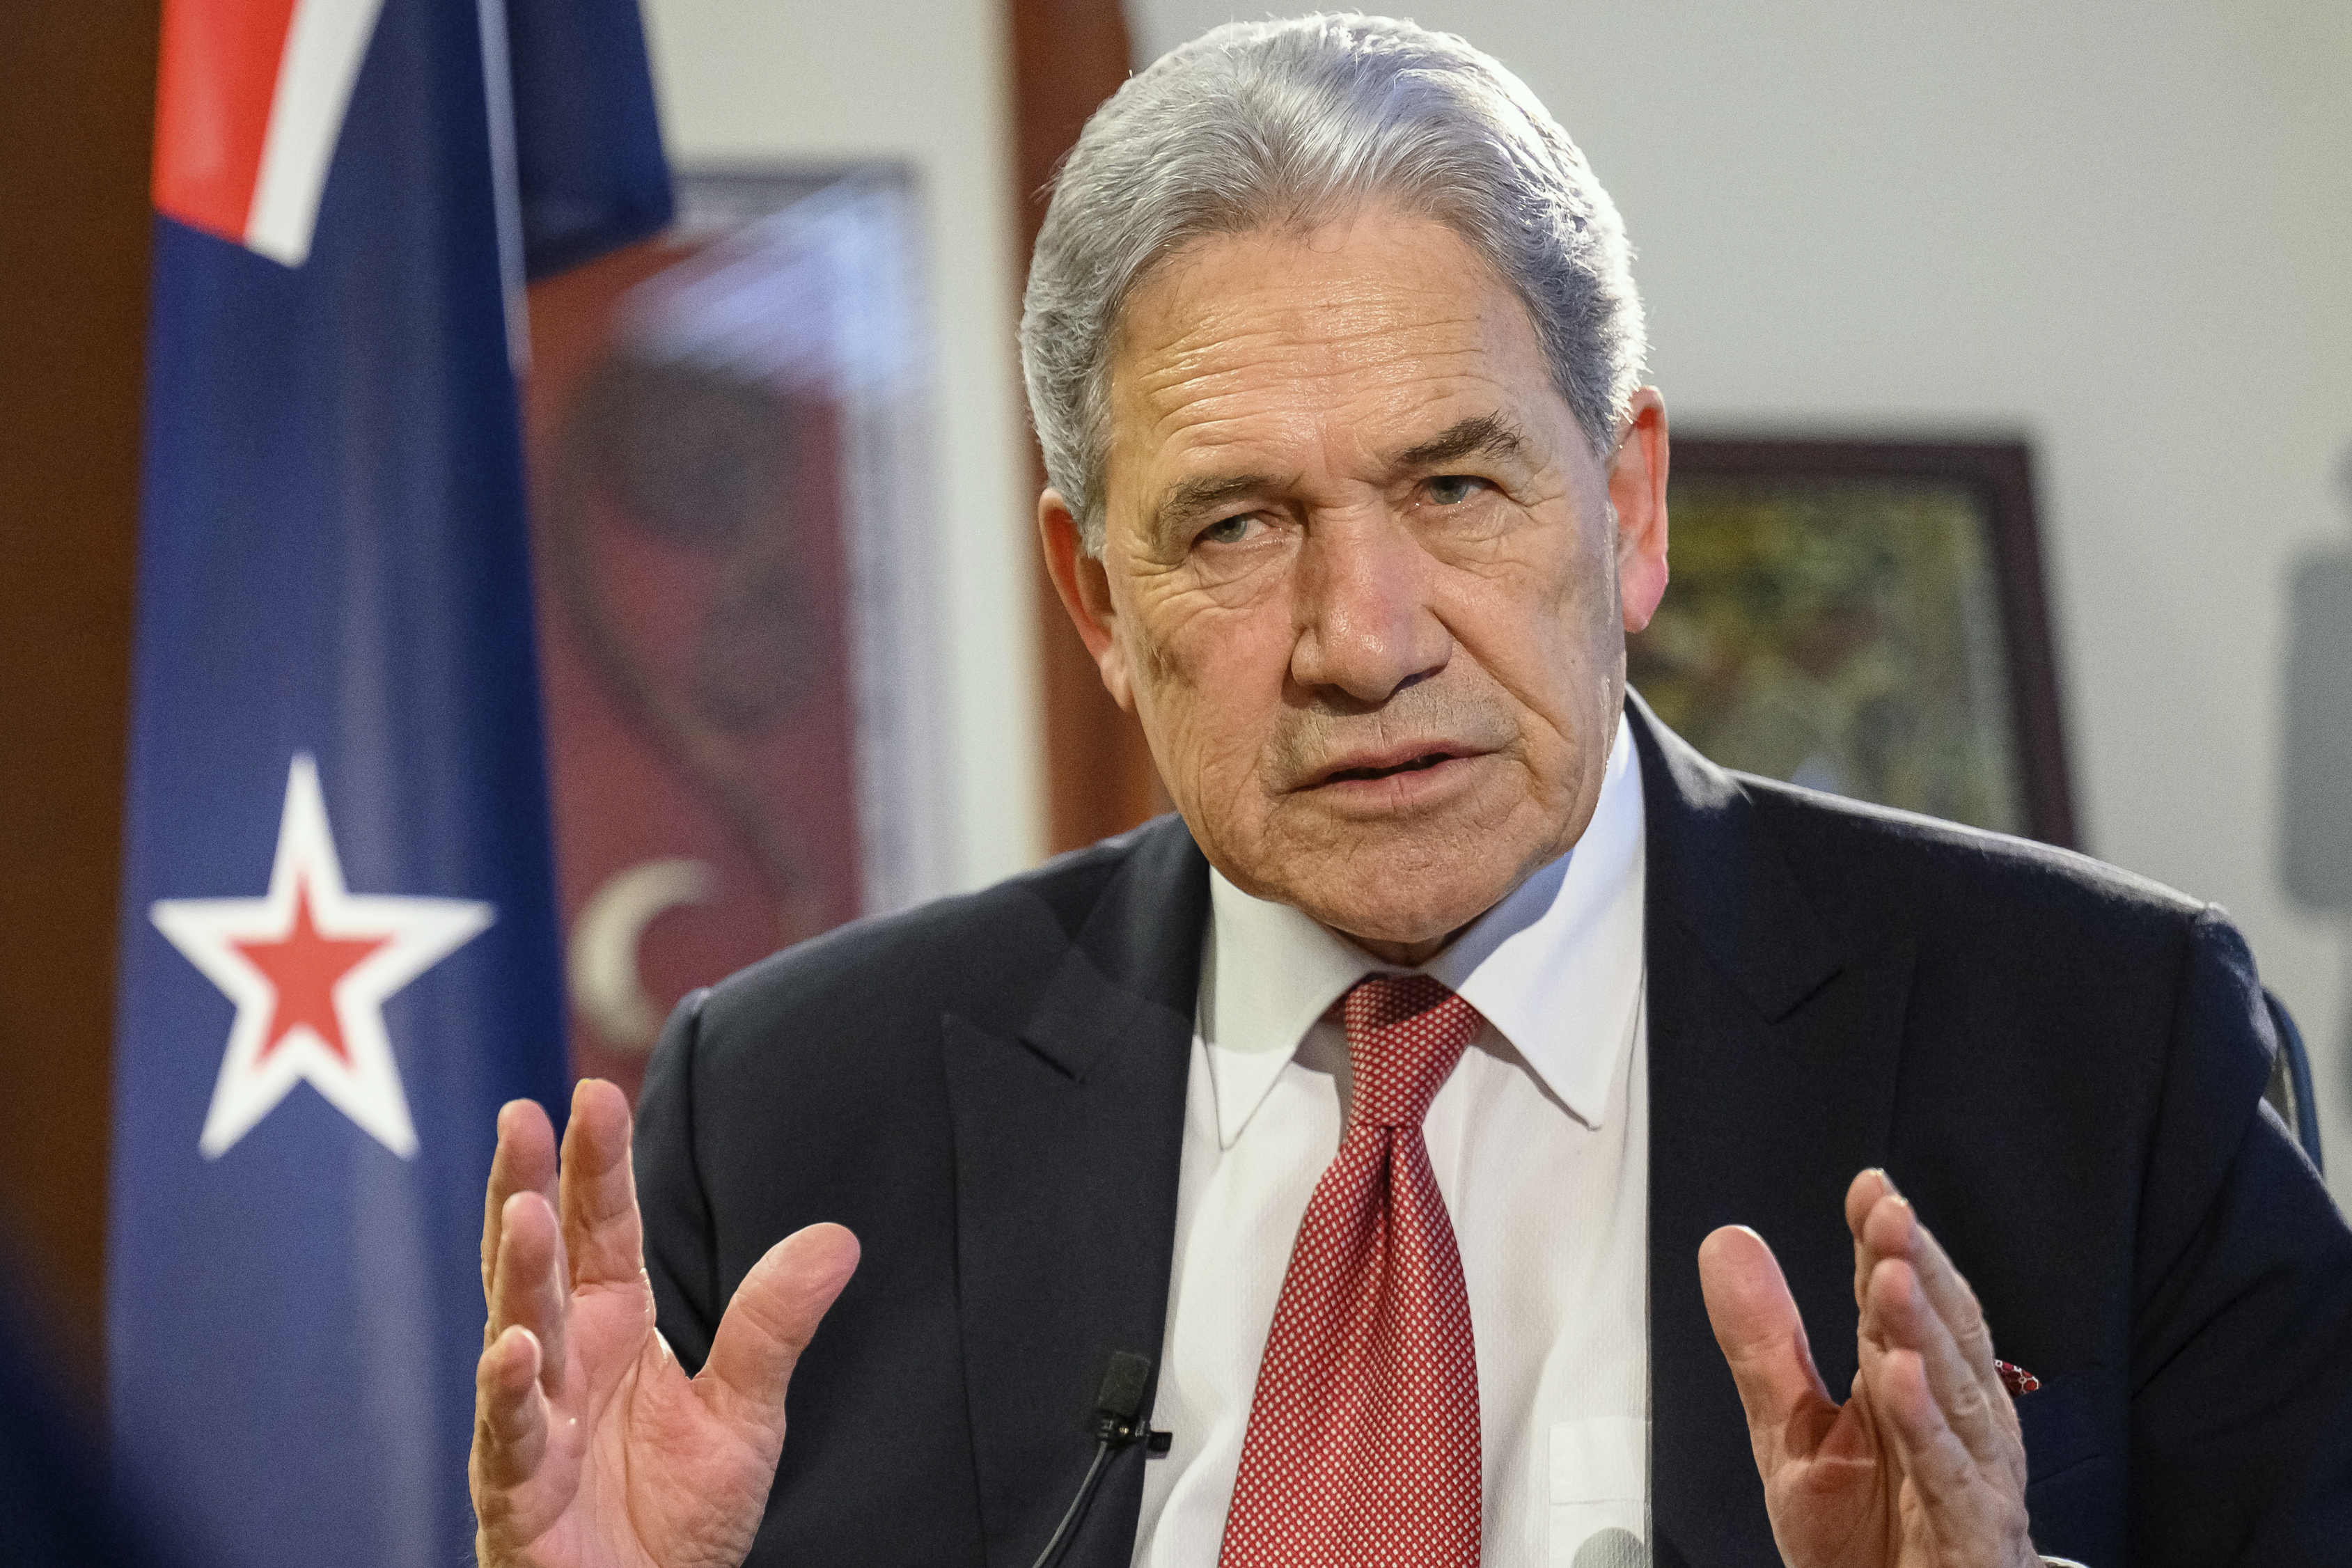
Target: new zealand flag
(338,949)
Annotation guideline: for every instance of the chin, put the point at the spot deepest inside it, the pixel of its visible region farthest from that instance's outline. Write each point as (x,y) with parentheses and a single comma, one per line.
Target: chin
(1402,926)
(1405,877)
(1404,899)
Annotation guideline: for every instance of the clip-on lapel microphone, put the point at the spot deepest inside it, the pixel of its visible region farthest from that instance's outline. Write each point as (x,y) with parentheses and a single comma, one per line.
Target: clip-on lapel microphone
(1116,1421)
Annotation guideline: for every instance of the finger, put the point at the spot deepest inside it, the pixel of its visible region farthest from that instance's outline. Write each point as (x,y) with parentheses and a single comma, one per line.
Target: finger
(1861,1194)
(524,1162)
(601,1230)
(769,1323)
(1885,1226)
(1972,1390)
(1962,1500)
(509,1415)
(1894,1231)
(527,1289)
(1910,1331)
(1756,1324)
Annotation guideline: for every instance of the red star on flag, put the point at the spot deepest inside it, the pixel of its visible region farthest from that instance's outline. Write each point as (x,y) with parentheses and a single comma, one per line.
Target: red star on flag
(306,967)
(310,965)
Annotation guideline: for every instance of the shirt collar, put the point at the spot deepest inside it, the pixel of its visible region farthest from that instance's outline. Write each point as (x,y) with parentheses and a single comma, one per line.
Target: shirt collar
(1556,967)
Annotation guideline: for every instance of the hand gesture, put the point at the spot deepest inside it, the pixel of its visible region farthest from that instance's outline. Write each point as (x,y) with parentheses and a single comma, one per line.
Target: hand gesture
(1922,1466)
(592,1447)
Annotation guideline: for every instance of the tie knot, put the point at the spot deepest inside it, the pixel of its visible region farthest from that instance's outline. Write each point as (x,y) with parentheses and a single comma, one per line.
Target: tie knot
(1405,1032)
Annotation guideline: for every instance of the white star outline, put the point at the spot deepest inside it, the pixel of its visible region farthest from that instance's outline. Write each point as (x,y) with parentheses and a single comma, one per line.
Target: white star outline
(417,933)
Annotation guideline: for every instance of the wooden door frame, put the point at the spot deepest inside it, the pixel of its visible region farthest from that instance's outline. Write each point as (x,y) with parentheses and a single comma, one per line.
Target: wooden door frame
(1068,55)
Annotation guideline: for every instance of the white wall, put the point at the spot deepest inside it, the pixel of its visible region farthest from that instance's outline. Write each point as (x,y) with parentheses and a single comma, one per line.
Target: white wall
(925,81)
(2120,228)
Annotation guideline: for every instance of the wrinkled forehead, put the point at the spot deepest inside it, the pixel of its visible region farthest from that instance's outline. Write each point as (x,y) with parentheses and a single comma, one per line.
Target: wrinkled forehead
(1342,337)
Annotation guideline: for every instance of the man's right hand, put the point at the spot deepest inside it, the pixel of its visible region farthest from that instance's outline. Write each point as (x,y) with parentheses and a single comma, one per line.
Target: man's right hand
(592,1447)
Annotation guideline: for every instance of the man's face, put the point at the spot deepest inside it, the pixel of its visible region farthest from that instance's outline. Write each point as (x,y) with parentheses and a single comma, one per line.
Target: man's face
(1363,580)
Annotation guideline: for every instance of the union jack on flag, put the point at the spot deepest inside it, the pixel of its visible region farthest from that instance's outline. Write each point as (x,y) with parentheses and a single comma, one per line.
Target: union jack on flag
(248,107)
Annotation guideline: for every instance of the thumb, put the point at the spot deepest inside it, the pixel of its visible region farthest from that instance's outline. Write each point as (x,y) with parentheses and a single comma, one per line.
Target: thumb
(771,1320)
(1763,1338)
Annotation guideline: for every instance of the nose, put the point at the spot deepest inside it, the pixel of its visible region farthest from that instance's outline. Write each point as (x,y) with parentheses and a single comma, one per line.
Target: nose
(1366,628)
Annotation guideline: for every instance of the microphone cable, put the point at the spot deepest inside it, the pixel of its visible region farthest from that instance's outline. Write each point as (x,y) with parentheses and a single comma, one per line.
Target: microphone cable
(1115,1422)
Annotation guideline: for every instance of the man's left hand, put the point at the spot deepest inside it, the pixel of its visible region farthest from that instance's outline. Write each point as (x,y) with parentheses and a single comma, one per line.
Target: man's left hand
(1922,1466)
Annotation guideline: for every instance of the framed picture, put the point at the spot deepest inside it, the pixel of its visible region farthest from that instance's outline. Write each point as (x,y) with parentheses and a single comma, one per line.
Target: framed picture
(731,510)
(1867,617)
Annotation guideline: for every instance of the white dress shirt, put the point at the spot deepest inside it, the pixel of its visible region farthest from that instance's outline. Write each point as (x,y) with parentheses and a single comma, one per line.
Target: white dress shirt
(1540,1144)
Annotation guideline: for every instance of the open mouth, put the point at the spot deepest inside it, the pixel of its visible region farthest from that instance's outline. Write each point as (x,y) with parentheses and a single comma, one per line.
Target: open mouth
(1419,765)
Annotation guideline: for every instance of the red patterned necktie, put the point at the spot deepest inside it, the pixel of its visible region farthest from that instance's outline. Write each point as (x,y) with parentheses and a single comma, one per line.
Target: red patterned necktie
(1362,1448)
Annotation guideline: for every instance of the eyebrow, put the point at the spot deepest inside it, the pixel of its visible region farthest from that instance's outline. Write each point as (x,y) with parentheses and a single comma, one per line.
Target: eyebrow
(1481,435)
(1195,498)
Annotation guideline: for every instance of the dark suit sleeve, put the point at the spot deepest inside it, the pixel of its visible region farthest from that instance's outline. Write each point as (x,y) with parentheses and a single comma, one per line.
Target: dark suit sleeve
(2241,1374)
(681,1250)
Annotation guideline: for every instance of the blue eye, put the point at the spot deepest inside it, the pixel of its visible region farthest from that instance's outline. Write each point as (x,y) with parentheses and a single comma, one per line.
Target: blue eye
(1451,489)
(1228,531)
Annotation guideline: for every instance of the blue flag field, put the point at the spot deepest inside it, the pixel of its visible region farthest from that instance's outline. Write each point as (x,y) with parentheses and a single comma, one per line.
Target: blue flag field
(339,943)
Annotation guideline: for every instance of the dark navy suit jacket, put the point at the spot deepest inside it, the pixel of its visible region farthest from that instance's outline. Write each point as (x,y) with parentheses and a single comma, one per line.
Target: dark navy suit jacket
(2060,1064)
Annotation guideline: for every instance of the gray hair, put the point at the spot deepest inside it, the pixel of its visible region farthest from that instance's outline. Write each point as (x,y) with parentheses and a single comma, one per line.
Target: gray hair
(1285,124)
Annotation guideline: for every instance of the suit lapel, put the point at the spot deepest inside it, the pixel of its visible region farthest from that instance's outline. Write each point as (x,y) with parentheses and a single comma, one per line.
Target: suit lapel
(1773,1047)
(1067,1144)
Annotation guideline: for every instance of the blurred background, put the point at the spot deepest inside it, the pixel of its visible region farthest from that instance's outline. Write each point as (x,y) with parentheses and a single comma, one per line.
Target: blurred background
(798,657)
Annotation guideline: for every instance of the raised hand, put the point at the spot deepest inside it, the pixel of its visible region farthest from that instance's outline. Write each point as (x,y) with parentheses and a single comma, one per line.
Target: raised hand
(1922,1466)
(592,1446)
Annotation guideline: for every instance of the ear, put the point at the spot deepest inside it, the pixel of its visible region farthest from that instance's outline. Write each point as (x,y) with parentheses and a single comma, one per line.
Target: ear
(1083,584)
(1637,490)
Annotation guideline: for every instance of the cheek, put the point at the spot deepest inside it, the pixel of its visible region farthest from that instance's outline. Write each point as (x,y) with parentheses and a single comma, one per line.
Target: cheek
(1208,637)
(1534,612)
(1543,624)
(1211,673)
(1584,622)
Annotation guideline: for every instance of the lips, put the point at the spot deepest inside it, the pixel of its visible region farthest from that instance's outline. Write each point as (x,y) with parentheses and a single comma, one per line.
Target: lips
(1390,763)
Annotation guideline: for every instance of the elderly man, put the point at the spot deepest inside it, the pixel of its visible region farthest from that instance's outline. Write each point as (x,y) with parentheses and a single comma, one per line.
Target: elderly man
(1402,1097)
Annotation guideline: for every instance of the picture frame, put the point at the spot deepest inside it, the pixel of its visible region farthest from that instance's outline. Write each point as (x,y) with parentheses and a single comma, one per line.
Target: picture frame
(729,432)
(1868,617)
